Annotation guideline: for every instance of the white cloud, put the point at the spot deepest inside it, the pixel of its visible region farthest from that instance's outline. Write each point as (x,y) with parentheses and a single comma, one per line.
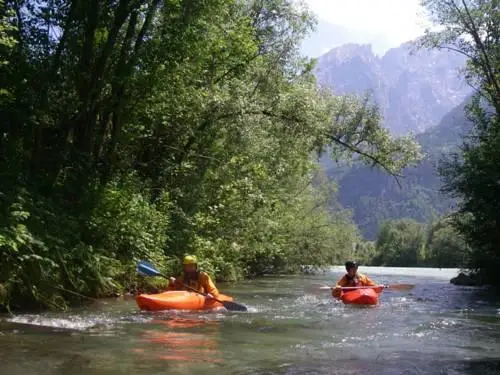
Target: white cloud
(396,21)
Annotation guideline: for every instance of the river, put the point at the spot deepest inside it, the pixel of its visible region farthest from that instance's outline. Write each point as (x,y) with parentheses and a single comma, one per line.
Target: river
(291,328)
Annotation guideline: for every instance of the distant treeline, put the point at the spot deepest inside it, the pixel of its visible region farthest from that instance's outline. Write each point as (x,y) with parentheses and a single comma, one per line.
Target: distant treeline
(407,243)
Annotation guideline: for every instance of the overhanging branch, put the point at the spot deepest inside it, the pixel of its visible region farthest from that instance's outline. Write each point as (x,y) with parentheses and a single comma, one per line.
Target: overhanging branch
(348,146)
(375,160)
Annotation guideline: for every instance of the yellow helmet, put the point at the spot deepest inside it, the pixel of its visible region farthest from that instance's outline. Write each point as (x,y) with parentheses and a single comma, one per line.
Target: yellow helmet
(190,259)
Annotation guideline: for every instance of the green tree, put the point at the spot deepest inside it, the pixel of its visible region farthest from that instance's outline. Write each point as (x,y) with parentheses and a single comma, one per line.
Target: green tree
(400,243)
(7,40)
(364,252)
(7,43)
(446,247)
(473,29)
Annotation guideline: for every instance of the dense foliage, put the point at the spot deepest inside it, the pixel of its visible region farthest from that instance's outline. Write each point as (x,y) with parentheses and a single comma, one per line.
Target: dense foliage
(472,27)
(408,243)
(148,129)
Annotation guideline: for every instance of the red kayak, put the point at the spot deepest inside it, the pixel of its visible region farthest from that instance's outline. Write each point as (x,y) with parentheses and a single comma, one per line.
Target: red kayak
(361,296)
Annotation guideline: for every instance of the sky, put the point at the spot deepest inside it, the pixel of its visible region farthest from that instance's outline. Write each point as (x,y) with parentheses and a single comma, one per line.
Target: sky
(383,23)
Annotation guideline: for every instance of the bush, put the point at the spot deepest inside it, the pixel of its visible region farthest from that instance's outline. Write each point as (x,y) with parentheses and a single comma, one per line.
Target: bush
(51,257)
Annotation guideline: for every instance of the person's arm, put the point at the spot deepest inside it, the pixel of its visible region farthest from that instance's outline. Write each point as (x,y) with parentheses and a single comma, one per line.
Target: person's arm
(366,281)
(208,285)
(174,284)
(337,292)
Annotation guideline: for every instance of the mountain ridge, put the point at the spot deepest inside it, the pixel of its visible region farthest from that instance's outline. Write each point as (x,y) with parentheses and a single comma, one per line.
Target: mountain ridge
(413,88)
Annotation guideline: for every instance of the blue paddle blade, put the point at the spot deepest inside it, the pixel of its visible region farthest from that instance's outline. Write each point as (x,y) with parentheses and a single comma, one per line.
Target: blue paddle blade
(147,269)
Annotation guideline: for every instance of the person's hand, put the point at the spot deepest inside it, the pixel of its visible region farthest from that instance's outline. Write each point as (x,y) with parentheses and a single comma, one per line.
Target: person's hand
(338,287)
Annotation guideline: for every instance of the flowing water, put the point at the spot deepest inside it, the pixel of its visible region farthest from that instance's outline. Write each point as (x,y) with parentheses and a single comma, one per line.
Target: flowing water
(291,328)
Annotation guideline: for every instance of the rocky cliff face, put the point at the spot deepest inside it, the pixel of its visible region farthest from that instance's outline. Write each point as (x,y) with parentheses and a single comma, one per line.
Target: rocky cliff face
(413,89)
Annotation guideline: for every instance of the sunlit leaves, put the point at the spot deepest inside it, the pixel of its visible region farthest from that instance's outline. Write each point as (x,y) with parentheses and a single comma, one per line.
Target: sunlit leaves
(357,130)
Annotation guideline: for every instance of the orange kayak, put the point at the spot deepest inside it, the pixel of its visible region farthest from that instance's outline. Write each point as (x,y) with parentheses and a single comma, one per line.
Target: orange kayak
(368,296)
(178,300)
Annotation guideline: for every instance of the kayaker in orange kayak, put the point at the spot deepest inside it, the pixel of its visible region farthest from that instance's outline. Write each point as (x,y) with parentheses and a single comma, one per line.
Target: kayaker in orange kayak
(351,278)
(194,278)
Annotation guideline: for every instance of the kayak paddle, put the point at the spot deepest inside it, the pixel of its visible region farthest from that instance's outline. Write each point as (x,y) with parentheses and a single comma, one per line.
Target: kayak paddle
(388,286)
(147,269)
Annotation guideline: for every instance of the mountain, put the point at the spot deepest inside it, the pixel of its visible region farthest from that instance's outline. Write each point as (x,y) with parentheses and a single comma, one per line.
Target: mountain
(374,196)
(413,89)
(328,36)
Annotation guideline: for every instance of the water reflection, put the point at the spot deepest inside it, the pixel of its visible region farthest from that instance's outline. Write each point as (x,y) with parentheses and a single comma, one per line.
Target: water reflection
(181,340)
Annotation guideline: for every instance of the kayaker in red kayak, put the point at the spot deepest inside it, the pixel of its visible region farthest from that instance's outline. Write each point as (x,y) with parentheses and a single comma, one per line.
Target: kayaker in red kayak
(194,278)
(351,278)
